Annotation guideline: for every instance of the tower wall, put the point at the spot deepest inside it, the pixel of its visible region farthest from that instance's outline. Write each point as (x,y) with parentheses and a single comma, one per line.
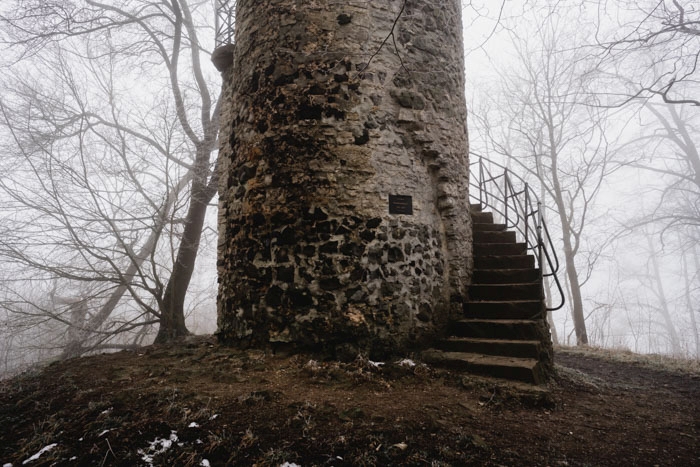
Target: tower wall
(324,122)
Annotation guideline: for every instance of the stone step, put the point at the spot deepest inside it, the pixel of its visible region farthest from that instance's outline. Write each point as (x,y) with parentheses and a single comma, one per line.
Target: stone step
(479,217)
(505,276)
(505,236)
(511,309)
(504,262)
(527,370)
(488,227)
(504,292)
(502,333)
(509,329)
(502,347)
(500,249)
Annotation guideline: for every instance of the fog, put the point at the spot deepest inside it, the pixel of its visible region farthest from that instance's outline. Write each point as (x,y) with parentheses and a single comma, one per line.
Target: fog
(596,104)
(638,258)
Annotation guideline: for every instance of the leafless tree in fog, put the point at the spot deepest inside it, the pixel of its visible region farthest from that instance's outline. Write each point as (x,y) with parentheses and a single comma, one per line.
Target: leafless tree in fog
(691,281)
(111,123)
(639,59)
(670,149)
(546,126)
(655,44)
(666,153)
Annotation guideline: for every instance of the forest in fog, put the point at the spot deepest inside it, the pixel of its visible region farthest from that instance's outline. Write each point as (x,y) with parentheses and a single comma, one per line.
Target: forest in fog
(596,104)
(109,127)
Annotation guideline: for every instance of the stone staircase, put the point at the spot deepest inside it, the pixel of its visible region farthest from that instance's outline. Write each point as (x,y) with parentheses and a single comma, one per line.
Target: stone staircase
(503,332)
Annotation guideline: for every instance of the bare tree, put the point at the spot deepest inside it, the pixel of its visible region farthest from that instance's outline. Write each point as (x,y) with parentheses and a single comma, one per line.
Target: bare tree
(670,163)
(691,291)
(546,124)
(659,291)
(655,45)
(111,170)
(670,153)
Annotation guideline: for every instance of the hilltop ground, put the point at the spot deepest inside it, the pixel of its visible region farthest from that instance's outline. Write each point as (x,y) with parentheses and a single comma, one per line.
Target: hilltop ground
(200,404)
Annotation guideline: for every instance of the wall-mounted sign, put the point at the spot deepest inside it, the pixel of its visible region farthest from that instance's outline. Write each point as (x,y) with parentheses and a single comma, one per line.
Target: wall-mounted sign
(400,204)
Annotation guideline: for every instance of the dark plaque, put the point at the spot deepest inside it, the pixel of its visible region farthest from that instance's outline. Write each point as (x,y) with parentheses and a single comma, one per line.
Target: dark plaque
(400,204)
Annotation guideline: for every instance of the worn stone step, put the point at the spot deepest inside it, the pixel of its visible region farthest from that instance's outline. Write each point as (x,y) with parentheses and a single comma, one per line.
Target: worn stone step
(506,236)
(479,217)
(502,347)
(487,227)
(510,329)
(505,276)
(503,331)
(504,262)
(511,309)
(504,292)
(521,369)
(499,249)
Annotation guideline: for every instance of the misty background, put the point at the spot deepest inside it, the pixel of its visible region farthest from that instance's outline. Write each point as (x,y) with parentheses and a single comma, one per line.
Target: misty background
(108,126)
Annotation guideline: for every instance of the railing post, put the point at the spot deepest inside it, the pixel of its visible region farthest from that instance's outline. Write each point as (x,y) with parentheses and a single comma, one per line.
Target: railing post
(482,188)
(492,197)
(525,214)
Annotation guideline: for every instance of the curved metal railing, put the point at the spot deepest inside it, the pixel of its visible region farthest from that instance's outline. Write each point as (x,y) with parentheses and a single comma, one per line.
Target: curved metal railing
(512,198)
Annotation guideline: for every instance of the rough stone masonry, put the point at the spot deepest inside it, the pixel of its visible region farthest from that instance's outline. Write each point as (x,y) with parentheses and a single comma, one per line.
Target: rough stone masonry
(343,216)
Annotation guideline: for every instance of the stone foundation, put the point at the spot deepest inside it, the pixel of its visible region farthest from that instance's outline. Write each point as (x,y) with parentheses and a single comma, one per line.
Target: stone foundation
(314,142)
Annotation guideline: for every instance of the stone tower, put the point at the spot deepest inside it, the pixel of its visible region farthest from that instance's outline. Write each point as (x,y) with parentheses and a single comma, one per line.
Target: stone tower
(343,218)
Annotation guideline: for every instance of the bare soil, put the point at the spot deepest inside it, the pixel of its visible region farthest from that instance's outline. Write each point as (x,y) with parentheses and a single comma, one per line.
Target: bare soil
(186,403)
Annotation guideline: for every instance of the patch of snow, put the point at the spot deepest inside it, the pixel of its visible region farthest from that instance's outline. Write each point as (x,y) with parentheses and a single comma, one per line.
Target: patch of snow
(205,463)
(193,425)
(106,411)
(375,364)
(104,433)
(7,465)
(407,362)
(213,416)
(73,458)
(287,464)
(199,441)
(147,458)
(157,446)
(39,454)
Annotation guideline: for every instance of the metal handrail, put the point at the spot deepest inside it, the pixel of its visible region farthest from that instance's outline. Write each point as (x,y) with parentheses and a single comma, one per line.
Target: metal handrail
(511,197)
(224,22)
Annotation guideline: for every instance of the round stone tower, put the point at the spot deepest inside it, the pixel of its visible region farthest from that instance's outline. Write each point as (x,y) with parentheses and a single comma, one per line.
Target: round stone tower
(343,218)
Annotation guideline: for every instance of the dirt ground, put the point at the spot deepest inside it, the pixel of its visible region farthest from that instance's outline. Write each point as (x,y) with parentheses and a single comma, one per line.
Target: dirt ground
(200,404)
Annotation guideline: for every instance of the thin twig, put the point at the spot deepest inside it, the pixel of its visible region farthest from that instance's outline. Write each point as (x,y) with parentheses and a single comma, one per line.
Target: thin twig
(109,446)
(386,39)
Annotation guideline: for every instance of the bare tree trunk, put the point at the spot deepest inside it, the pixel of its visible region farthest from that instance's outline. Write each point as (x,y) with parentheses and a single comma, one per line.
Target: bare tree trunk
(548,303)
(172,319)
(569,248)
(546,283)
(575,289)
(661,295)
(172,313)
(689,301)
